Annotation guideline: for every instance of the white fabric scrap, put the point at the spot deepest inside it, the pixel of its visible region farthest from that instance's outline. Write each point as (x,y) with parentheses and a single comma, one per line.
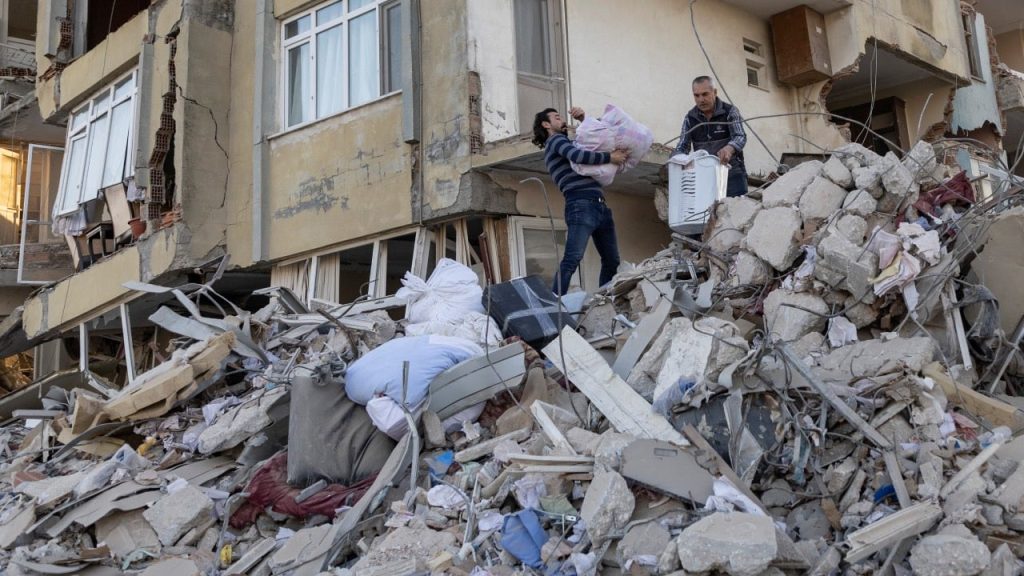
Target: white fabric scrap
(446,497)
(841,332)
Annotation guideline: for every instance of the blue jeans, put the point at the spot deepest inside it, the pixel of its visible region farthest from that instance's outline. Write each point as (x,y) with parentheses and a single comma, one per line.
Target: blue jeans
(584,218)
(737,183)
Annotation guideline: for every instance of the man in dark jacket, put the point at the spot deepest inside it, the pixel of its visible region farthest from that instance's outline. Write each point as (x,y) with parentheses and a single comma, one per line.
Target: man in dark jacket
(586,213)
(716,127)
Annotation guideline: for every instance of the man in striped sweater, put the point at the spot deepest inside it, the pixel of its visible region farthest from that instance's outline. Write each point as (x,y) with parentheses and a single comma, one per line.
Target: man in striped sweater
(586,213)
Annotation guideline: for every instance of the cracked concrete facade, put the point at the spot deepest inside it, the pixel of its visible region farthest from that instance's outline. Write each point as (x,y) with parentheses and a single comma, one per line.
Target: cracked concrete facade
(356,174)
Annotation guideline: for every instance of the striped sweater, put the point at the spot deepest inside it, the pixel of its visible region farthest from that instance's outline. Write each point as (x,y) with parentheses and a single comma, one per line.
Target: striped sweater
(558,152)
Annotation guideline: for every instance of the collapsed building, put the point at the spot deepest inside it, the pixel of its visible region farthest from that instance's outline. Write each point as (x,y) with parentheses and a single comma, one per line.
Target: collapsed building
(830,370)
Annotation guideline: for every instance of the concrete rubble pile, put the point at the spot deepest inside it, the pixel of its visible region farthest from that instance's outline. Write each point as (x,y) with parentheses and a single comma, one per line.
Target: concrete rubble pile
(823,384)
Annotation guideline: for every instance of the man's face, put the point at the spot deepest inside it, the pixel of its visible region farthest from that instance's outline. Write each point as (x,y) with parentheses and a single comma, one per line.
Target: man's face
(556,124)
(704,95)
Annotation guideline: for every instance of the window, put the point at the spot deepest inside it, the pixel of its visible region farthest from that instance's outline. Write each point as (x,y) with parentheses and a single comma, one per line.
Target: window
(532,252)
(340,55)
(971,36)
(99,144)
(755,63)
(539,61)
(754,73)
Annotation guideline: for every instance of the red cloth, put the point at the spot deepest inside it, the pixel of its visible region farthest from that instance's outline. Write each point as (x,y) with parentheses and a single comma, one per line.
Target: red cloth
(956,190)
(269,487)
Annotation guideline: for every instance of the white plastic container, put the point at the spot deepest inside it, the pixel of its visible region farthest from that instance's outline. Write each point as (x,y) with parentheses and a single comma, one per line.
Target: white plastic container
(695,182)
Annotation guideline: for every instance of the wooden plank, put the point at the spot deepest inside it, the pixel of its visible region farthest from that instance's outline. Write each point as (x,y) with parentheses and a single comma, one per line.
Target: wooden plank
(484,448)
(994,410)
(830,396)
(892,466)
(550,430)
(641,338)
(627,411)
(891,530)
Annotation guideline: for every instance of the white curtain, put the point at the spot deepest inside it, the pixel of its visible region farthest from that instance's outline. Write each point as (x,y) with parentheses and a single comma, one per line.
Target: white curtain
(294,277)
(364,84)
(328,271)
(298,84)
(330,80)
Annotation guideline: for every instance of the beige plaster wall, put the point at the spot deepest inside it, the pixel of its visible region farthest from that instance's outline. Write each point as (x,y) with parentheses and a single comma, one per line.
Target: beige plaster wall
(238,202)
(925,101)
(339,179)
(1010,46)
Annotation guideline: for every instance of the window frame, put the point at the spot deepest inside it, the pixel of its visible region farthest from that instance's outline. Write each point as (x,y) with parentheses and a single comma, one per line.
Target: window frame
(380,8)
(84,132)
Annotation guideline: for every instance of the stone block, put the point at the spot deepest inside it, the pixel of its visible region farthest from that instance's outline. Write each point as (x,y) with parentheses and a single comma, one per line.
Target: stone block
(749,269)
(774,235)
(821,199)
(239,423)
(178,512)
(900,186)
(787,318)
(786,191)
(643,544)
(949,555)
(860,202)
(854,155)
(869,178)
(920,161)
(844,265)
(860,313)
(874,357)
(733,218)
(853,228)
(737,543)
(837,172)
(607,506)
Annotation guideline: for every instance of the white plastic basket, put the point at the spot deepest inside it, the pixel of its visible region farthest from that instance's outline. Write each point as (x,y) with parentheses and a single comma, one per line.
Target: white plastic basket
(695,182)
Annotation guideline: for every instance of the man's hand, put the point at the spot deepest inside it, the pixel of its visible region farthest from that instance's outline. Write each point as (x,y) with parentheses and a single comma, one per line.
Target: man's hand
(577,113)
(619,157)
(725,154)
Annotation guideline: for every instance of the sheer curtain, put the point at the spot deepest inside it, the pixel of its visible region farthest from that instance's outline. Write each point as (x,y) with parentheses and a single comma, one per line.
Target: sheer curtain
(330,80)
(328,271)
(362,59)
(298,84)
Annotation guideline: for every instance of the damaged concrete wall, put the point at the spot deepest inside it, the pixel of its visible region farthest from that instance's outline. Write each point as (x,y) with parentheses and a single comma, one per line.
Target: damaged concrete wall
(1010,46)
(96,68)
(86,294)
(343,178)
(925,102)
(975,105)
(928,34)
(492,55)
(446,132)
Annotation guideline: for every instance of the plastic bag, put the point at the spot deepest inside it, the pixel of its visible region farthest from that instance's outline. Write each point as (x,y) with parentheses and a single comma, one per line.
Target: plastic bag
(379,371)
(452,291)
(388,417)
(613,130)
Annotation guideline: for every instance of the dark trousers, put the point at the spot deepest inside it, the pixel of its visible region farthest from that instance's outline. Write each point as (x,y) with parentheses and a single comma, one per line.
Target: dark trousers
(586,218)
(737,183)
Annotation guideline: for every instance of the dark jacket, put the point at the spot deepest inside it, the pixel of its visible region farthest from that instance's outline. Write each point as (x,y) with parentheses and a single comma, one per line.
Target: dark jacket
(724,127)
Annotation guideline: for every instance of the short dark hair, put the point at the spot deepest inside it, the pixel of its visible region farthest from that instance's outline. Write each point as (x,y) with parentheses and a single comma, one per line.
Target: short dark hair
(702,79)
(540,133)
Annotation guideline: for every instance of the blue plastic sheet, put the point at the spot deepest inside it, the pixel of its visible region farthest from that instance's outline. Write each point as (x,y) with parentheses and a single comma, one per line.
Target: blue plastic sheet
(522,536)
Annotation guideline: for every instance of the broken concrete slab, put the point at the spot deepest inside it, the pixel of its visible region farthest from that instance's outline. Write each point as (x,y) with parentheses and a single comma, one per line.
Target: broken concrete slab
(50,490)
(126,532)
(844,265)
(891,530)
(697,350)
(733,217)
(159,386)
(421,544)
(583,441)
(820,200)
(837,172)
(949,555)
(749,269)
(854,155)
(787,190)
(920,161)
(791,315)
(860,203)
(1010,494)
(900,185)
(178,512)
(252,557)
(518,416)
(735,542)
(172,567)
(240,422)
(773,236)
(607,505)
(869,179)
(17,526)
(643,544)
(875,357)
(853,228)
(666,468)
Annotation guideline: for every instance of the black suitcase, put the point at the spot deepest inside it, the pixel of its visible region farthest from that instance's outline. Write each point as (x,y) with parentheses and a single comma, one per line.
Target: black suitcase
(526,307)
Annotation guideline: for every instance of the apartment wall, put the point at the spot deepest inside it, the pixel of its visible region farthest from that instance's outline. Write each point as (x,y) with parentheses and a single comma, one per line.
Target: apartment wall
(928,33)
(641,60)
(925,103)
(1010,46)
